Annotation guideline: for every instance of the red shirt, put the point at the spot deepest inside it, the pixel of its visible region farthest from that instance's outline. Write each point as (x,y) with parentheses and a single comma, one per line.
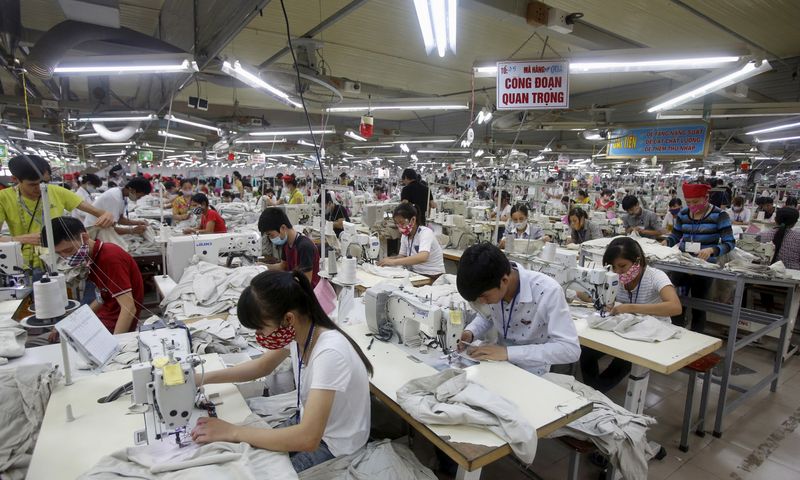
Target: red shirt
(115,273)
(213,216)
(302,255)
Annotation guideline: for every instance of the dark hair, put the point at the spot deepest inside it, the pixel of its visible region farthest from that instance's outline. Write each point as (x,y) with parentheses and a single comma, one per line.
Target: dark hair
(738,201)
(606,191)
(675,201)
(577,212)
(227,193)
(629,201)
(624,247)
(481,268)
(111,184)
(185,181)
(550,180)
(200,198)
(237,175)
(271,220)
(169,185)
(64,228)
(139,185)
(786,218)
(273,294)
(269,190)
(29,167)
(92,180)
(409,174)
(407,211)
(791,201)
(520,207)
(764,201)
(583,193)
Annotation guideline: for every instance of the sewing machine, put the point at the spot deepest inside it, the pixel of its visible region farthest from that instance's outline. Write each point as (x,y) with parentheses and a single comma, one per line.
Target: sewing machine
(354,244)
(453,207)
(13,284)
(599,283)
(750,243)
(164,388)
(299,213)
(374,213)
(414,319)
(182,250)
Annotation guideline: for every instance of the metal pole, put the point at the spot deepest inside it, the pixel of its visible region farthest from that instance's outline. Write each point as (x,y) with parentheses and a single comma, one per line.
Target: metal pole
(48,227)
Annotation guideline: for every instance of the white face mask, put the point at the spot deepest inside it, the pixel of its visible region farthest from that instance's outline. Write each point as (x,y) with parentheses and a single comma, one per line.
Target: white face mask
(520,226)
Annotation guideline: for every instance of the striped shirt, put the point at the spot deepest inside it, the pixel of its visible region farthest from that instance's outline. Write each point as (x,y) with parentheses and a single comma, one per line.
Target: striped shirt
(790,248)
(712,231)
(648,290)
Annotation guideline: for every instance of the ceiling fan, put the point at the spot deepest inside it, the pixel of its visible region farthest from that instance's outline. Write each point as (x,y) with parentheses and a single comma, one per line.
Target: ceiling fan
(603,134)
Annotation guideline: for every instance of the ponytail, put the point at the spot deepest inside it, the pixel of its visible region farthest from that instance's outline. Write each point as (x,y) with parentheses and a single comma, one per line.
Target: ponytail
(777,240)
(786,217)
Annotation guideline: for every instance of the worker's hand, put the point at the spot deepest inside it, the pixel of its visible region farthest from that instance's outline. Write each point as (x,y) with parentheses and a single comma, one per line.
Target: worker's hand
(664,242)
(143,222)
(53,337)
(386,262)
(490,352)
(705,253)
(466,336)
(105,220)
(210,429)
(188,231)
(138,229)
(618,309)
(29,239)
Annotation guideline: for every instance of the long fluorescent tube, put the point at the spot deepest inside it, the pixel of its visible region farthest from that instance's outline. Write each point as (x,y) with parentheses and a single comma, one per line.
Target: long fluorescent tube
(398,106)
(20,129)
(366,147)
(88,135)
(687,116)
(707,84)
(236,70)
(126,64)
(266,140)
(437,23)
(109,154)
(293,131)
(305,142)
(351,134)
(434,140)
(444,151)
(173,118)
(122,118)
(164,133)
(783,139)
(46,142)
(116,144)
(774,129)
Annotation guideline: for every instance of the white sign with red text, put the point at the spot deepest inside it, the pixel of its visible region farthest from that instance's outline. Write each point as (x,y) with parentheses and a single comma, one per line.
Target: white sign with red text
(532,85)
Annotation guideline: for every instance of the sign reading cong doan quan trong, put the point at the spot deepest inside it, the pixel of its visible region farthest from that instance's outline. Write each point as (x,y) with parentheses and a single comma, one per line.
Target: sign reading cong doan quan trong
(532,85)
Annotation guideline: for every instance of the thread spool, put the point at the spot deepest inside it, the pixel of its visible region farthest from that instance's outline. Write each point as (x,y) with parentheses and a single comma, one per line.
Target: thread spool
(49,301)
(332,267)
(549,252)
(164,234)
(62,285)
(449,219)
(347,273)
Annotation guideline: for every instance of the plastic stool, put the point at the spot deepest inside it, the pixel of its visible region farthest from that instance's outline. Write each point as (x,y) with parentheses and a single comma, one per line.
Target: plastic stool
(704,366)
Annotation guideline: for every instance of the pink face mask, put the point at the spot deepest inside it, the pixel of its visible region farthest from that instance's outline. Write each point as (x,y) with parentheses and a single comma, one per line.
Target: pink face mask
(406,229)
(278,339)
(631,274)
(699,208)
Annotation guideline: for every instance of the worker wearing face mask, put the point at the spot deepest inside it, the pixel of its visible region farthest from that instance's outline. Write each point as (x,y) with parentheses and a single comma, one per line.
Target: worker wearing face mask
(739,215)
(115,201)
(209,220)
(180,206)
(89,185)
(520,228)
(299,252)
(675,207)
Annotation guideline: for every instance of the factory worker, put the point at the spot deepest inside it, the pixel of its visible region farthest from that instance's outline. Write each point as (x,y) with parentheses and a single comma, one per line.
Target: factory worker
(21,206)
(89,184)
(268,199)
(738,214)
(643,290)
(115,200)
(644,222)
(112,270)
(520,228)
(766,206)
(293,194)
(299,252)
(419,249)
(180,206)
(581,228)
(505,207)
(704,231)
(330,370)
(335,213)
(210,221)
(604,201)
(238,185)
(582,198)
(674,208)
(527,309)
(785,238)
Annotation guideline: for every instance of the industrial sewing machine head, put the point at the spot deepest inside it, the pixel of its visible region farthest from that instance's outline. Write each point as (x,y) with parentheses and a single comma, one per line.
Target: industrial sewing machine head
(13,282)
(181,251)
(376,213)
(300,213)
(601,284)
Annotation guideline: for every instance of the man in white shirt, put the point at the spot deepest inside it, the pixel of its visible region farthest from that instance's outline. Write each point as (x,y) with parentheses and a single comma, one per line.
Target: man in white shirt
(528,310)
(115,201)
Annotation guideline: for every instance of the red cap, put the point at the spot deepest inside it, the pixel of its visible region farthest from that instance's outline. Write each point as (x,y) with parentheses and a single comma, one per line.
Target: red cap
(695,190)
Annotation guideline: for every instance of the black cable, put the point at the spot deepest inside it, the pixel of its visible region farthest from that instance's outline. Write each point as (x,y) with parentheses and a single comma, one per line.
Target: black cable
(300,91)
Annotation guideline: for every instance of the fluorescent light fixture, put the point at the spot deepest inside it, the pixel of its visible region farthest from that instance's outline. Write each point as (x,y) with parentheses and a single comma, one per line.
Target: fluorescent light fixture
(236,70)
(430,140)
(479,153)
(305,142)
(444,151)
(438,24)
(351,134)
(126,64)
(345,154)
(400,104)
(292,131)
(776,128)
(782,139)
(46,142)
(192,123)
(164,133)
(109,154)
(116,119)
(707,84)
(404,148)
(88,135)
(686,116)
(414,157)
(117,144)
(20,129)
(266,140)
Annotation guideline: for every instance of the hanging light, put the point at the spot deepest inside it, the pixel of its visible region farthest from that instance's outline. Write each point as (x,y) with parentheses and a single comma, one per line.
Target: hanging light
(437,22)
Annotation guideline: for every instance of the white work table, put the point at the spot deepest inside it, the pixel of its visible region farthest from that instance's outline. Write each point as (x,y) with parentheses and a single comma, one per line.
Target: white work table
(367,280)
(165,285)
(68,449)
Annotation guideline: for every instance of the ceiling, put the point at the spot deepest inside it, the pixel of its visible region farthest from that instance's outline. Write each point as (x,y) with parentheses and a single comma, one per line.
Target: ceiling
(378,44)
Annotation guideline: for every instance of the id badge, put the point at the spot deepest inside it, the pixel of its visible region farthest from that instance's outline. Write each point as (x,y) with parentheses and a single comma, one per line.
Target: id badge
(692,247)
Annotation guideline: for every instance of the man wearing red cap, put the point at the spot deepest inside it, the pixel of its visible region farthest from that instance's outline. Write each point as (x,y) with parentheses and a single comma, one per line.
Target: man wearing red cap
(704,231)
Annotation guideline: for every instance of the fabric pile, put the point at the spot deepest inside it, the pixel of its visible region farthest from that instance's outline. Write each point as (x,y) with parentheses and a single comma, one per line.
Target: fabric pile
(644,328)
(386,272)
(12,340)
(616,432)
(127,356)
(385,459)
(238,214)
(206,289)
(653,250)
(24,393)
(215,336)
(448,398)
(218,460)
(144,244)
(275,409)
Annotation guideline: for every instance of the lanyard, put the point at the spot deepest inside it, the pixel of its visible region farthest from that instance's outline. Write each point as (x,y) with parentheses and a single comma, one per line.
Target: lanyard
(631,298)
(28,211)
(411,243)
(506,326)
(300,368)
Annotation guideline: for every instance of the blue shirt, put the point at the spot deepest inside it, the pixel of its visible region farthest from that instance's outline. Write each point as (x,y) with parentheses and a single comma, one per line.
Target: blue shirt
(712,231)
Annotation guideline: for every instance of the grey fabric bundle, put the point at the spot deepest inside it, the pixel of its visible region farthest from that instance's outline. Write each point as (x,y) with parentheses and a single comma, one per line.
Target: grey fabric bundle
(384,460)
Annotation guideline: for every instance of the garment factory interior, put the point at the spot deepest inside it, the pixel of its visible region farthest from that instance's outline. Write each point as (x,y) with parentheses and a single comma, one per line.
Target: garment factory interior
(399,239)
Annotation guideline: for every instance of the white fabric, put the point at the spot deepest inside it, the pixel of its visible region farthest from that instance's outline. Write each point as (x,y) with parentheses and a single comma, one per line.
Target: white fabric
(652,249)
(532,231)
(111,201)
(648,291)
(744,216)
(615,431)
(387,272)
(335,365)
(424,241)
(540,332)
(12,339)
(86,197)
(275,409)
(384,460)
(448,398)
(644,328)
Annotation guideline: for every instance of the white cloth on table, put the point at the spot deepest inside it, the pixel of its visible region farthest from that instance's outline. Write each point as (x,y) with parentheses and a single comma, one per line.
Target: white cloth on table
(644,328)
(384,460)
(615,431)
(12,340)
(387,272)
(448,398)
(218,460)
(215,336)
(24,393)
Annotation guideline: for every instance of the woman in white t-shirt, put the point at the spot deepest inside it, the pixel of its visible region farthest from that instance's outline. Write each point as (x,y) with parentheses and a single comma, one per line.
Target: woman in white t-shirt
(330,371)
(643,290)
(419,249)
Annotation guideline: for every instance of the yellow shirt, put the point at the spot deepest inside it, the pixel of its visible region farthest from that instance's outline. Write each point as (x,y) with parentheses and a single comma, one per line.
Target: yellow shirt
(296,197)
(19,218)
(180,206)
(584,202)
(239,186)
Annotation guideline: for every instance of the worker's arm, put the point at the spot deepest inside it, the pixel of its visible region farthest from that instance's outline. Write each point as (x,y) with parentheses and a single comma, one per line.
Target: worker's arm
(418,258)
(669,306)
(282,266)
(95,306)
(210,225)
(104,219)
(137,230)
(651,232)
(127,313)
(246,371)
(339,223)
(127,221)
(26,239)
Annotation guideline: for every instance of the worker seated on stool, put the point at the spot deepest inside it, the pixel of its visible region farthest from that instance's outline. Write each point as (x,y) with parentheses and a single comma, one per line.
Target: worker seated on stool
(645,291)
(333,403)
(419,249)
(297,250)
(112,269)
(528,310)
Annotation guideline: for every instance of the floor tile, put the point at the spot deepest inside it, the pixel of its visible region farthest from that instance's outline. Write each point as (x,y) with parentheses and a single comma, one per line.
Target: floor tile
(720,458)
(690,472)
